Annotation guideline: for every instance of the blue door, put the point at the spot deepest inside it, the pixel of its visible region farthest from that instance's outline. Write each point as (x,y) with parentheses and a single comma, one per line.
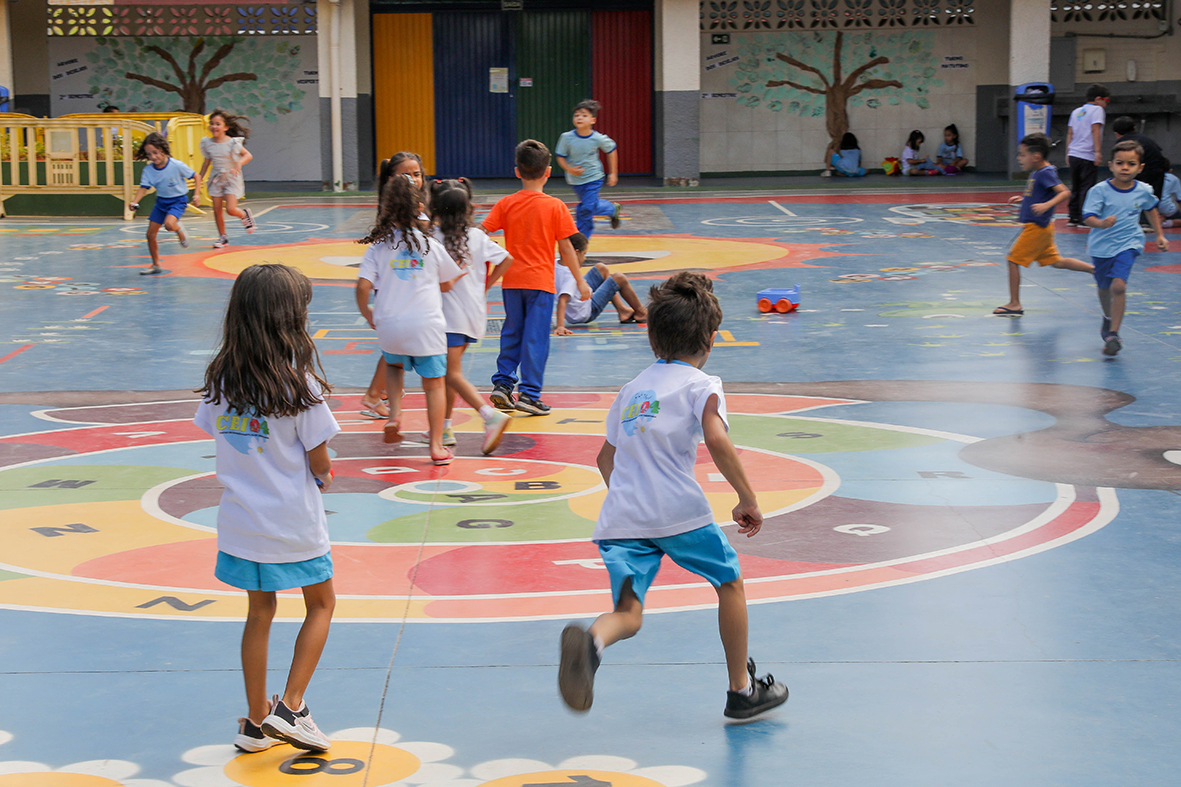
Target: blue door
(475,128)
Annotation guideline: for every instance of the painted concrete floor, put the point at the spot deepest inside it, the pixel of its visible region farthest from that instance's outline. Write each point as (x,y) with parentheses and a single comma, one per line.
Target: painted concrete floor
(968,574)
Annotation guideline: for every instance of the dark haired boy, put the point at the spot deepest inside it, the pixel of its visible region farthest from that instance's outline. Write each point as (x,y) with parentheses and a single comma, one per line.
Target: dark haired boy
(1043,192)
(1084,148)
(1112,211)
(533,223)
(578,154)
(654,505)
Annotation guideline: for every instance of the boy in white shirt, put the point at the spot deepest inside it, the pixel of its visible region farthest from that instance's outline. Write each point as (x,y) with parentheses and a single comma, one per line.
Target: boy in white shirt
(1084,148)
(654,505)
(606,287)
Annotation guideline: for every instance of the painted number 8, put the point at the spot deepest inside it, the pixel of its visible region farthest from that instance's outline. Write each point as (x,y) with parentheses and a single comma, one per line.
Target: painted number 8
(306,766)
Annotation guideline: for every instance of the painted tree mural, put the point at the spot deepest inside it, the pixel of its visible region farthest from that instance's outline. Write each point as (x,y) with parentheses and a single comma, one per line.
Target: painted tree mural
(250,76)
(822,73)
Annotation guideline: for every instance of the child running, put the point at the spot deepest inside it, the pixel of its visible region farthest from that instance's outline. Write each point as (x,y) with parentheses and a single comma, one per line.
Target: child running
(1043,192)
(578,154)
(465,306)
(533,223)
(410,275)
(1170,201)
(1112,211)
(169,177)
(608,287)
(263,404)
(225,154)
(374,403)
(654,505)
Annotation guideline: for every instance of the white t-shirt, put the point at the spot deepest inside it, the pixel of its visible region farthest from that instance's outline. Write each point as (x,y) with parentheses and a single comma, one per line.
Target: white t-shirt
(577,311)
(909,153)
(271,510)
(408,310)
(655,426)
(465,307)
(1081,143)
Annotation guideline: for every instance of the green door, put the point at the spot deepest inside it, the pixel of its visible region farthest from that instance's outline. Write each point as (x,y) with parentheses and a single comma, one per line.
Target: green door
(553,49)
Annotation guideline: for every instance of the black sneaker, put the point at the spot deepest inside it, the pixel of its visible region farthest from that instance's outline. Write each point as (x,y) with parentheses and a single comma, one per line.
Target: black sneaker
(502,398)
(1111,343)
(251,738)
(576,670)
(527,404)
(768,693)
(294,727)
(248,220)
(615,215)
(1106,329)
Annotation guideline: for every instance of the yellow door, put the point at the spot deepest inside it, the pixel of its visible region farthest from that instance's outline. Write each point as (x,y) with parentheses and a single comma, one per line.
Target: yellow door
(404,86)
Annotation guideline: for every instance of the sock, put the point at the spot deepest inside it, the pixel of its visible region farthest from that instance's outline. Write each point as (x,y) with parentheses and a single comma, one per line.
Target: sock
(487,411)
(599,646)
(446,423)
(748,691)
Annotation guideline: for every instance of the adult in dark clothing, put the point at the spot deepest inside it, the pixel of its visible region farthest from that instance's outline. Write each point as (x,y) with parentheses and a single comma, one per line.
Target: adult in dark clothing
(1155,163)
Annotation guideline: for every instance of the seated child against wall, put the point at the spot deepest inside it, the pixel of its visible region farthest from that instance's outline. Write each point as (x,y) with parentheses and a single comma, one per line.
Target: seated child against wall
(847,161)
(912,164)
(950,154)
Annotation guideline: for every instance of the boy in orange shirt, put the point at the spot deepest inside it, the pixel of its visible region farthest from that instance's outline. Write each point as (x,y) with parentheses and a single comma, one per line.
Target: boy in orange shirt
(533,222)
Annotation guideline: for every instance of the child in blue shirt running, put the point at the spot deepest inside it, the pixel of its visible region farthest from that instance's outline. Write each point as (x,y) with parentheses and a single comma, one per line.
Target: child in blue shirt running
(169,177)
(1112,211)
(1170,202)
(578,155)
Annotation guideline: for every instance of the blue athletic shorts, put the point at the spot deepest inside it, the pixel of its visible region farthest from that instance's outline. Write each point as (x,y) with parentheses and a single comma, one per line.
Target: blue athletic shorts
(704,551)
(168,206)
(247,575)
(1117,267)
(459,339)
(425,365)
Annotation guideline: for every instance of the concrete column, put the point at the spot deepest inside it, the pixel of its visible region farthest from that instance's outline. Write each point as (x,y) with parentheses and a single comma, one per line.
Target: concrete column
(1029,58)
(678,90)
(347,85)
(6,53)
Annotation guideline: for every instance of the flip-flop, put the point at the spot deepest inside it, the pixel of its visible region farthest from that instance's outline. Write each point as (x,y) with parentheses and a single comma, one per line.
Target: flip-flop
(373,410)
(629,321)
(392,433)
(446,460)
(1004,310)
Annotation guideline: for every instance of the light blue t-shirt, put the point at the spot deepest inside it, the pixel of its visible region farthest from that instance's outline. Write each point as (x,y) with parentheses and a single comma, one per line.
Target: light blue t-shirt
(581,151)
(849,160)
(1170,198)
(949,154)
(170,181)
(1105,200)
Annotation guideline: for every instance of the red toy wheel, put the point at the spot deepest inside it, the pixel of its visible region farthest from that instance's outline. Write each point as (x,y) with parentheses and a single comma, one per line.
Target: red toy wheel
(764,305)
(783,306)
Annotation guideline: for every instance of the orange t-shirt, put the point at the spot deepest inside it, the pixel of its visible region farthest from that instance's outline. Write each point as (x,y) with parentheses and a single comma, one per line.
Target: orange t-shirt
(533,223)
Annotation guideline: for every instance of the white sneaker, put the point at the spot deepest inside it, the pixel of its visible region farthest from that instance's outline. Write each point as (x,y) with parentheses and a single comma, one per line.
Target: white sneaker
(296,728)
(251,738)
(494,430)
(826,173)
(449,436)
(221,242)
(181,235)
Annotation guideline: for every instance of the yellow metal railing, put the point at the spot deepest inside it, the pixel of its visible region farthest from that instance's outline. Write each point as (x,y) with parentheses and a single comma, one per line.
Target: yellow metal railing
(89,153)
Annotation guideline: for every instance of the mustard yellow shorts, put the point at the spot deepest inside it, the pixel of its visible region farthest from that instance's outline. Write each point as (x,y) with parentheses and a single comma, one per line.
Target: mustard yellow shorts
(1035,244)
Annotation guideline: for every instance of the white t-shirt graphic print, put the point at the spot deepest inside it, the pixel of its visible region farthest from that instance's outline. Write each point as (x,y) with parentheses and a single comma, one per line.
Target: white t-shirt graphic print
(655,426)
(408,309)
(271,510)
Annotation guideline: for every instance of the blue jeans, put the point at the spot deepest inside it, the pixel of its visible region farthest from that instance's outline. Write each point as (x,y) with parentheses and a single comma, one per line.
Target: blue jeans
(524,340)
(590,204)
(602,291)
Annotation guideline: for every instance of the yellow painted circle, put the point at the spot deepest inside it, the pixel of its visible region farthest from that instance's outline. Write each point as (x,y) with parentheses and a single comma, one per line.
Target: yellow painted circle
(556,778)
(343,766)
(55,779)
(339,260)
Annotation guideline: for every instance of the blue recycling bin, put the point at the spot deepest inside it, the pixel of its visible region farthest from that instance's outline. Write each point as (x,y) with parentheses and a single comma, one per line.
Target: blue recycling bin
(1032,104)
(4,99)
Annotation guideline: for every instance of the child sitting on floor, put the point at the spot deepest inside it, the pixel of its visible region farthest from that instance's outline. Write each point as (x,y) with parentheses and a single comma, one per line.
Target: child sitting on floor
(607,287)
(847,161)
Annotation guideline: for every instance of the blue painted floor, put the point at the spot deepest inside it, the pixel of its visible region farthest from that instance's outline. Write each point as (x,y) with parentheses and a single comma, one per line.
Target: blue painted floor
(1052,661)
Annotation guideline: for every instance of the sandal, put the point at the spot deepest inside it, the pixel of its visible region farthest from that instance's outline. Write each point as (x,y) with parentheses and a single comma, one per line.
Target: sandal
(444,461)
(392,432)
(378,411)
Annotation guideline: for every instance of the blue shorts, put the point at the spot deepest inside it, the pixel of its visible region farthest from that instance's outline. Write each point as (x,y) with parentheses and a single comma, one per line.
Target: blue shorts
(1117,267)
(704,551)
(425,365)
(602,291)
(459,339)
(168,206)
(247,575)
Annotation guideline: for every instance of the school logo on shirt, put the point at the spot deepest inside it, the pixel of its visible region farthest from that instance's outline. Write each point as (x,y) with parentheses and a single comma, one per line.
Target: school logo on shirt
(244,433)
(406,263)
(643,408)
